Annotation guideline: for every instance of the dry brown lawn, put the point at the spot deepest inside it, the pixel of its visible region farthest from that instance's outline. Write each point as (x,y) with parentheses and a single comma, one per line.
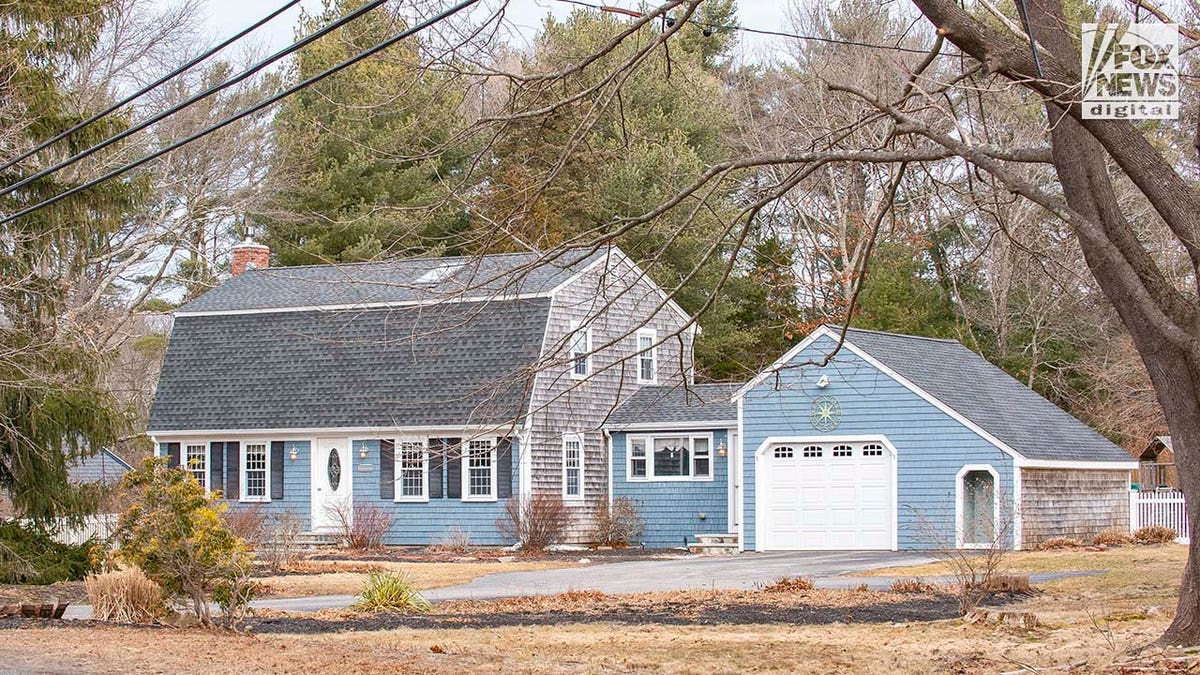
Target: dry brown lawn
(1090,621)
(346,577)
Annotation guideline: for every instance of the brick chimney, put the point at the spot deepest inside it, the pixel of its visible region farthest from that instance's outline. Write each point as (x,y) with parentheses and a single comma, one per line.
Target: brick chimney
(250,255)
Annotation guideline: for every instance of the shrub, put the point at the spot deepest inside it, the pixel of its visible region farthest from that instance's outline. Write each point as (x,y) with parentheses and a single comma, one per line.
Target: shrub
(1112,537)
(790,585)
(362,527)
(454,540)
(279,548)
(29,555)
(176,534)
(1155,534)
(127,596)
(536,522)
(617,524)
(390,592)
(1055,543)
(248,523)
(1006,583)
(911,585)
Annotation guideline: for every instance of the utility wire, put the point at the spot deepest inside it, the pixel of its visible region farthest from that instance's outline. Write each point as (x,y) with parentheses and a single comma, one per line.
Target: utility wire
(148,88)
(245,112)
(746,29)
(192,101)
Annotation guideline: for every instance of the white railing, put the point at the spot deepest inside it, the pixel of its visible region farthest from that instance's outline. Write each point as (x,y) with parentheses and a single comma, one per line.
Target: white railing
(1160,507)
(99,527)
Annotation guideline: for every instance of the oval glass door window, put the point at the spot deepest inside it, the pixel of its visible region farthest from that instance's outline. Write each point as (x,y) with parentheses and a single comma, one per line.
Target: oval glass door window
(335,469)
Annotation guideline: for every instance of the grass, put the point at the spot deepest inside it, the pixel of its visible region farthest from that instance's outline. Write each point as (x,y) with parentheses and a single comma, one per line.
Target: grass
(1093,619)
(346,577)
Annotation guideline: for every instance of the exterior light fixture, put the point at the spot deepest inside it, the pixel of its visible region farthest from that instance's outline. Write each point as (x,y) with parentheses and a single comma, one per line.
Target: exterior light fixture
(722,450)
(294,454)
(823,382)
(362,451)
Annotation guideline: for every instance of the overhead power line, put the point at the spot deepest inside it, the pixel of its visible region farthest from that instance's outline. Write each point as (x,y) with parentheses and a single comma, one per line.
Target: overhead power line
(245,112)
(295,46)
(707,26)
(148,88)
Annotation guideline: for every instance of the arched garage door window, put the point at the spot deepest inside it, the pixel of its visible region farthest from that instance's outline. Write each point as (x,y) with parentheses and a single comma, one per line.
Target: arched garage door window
(977,511)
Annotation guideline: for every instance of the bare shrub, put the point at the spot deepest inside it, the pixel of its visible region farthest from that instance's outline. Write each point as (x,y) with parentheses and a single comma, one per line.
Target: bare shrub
(536,522)
(1113,537)
(454,540)
(1056,543)
(125,596)
(790,585)
(362,527)
(279,548)
(247,522)
(973,568)
(1155,534)
(1007,583)
(911,585)
(616,524)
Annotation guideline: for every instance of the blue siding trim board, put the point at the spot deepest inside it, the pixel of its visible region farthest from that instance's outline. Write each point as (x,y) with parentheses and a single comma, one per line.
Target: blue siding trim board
(672,509)
(931,446)
(413,523)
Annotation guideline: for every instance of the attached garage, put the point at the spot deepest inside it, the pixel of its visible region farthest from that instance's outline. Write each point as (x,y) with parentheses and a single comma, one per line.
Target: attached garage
(827,494)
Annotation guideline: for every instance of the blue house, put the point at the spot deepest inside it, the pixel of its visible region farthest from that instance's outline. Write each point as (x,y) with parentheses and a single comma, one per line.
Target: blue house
(886,442)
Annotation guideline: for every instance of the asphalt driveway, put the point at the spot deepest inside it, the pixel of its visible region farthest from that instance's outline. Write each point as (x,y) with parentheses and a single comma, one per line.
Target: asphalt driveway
(743,571)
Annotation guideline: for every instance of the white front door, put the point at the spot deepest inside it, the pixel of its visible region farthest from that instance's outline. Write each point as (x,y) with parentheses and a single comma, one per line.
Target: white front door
(831,495)
(332,506)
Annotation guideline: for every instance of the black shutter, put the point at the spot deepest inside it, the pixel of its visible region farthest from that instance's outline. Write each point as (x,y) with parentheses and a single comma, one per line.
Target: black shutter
(172,455)
(216,467)
(504,465)
(387,469)
(454,468)
(437,460)
(233,466)
(276,469)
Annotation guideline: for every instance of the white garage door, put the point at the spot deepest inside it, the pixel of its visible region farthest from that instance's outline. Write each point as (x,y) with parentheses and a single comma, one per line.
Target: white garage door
(826,496)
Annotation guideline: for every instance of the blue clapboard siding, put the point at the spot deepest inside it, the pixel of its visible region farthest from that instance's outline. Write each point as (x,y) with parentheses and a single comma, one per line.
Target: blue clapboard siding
(931,446)
(672,509)
(428,522)
(297,482)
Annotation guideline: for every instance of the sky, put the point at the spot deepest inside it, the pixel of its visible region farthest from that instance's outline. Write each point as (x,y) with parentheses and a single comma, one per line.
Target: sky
(226,17)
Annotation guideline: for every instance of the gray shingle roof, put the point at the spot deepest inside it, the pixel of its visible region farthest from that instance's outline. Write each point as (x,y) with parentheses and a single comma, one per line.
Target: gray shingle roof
(675,404)
(989,397)
(445,364)
(103,467)
(393,281)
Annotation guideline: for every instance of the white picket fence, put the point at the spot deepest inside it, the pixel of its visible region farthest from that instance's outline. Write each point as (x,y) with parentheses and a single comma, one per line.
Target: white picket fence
(1158,507)
(99,527)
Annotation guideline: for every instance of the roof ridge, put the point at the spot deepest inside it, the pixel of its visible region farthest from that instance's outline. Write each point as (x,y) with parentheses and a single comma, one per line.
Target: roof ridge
(901,335)
(475,256)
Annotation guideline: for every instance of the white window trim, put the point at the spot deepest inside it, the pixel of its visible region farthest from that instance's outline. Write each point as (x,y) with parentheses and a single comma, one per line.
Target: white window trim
(243,474)
(577,437)
(650,477)
(398,474)
(183,461)
(958,505)
(652,334)
(587,350)
(465,472)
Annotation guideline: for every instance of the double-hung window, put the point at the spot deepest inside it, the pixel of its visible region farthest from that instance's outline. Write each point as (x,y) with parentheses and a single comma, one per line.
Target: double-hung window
(673,457)
(254,473)
(581,347)
(573,466)
(412,471)
(479,475)
(647,364)
(196,463)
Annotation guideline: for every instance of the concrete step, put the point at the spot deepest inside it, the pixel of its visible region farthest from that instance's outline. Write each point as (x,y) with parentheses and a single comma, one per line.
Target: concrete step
(714,548)
(717,538)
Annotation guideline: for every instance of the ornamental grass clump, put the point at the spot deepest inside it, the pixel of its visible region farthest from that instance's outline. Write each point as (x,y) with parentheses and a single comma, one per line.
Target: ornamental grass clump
(125,596)
(391,592)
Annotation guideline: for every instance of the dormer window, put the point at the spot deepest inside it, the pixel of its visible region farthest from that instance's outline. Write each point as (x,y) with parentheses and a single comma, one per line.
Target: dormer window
(439,273)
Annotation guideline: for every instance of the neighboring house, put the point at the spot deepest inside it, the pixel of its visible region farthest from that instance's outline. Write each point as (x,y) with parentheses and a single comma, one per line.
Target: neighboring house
(899,442)
(104,467)
(432,388)
(1156,465)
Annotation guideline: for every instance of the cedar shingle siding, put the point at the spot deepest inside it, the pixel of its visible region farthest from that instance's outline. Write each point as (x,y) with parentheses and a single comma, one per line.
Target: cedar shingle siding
(1076,504)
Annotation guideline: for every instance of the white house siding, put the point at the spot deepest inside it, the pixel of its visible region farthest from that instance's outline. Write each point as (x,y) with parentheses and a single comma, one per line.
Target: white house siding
(615,301)
(1073,503)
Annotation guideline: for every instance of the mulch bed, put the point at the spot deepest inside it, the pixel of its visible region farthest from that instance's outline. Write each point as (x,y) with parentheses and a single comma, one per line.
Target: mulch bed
(691,608)
(427,554)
